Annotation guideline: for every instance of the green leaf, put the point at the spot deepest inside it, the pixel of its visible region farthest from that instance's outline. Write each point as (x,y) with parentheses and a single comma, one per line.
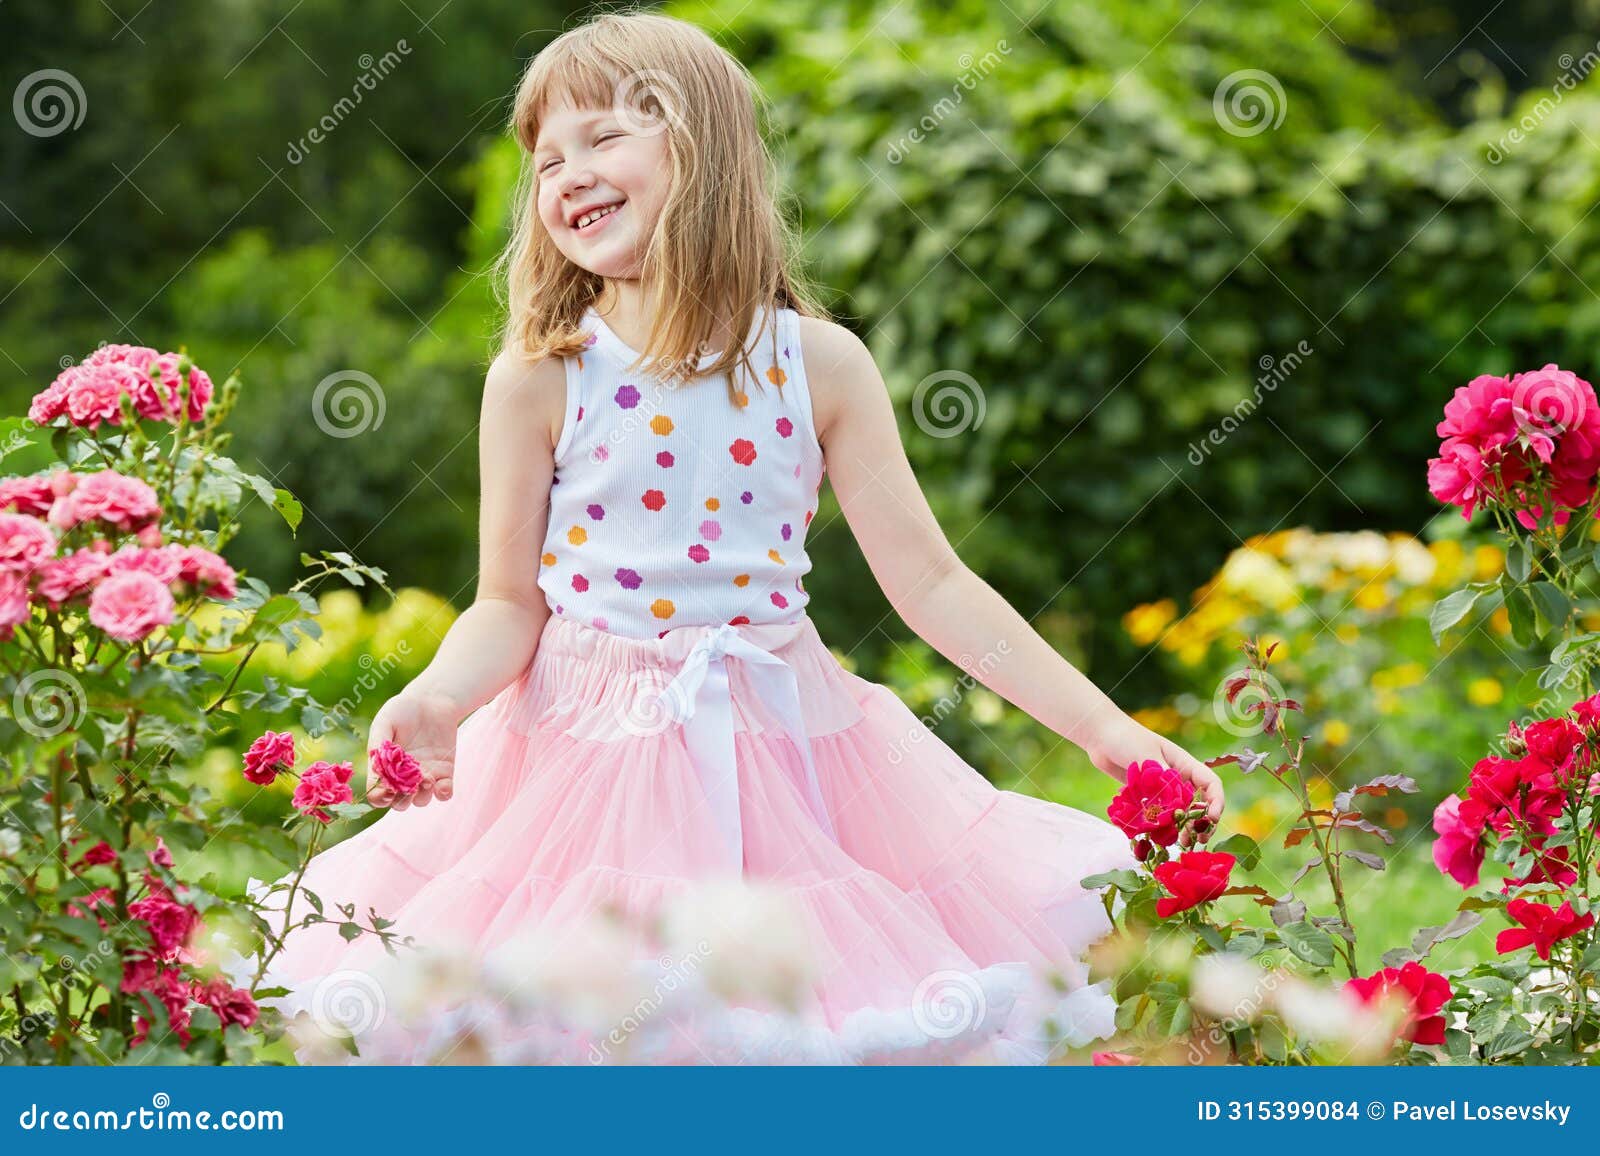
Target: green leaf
(1508,1042)
(1451,609)
(1309,943)
(1123,879)
(1518,562)
(1553,606)
(1243,848)
(289,506)
(1524,626)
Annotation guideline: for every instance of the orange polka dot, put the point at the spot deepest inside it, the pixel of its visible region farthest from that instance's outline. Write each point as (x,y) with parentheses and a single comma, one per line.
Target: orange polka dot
(777,376)
(741,399)
(661,424)
(663,608)
(577,535)
(742,580)
(548,559)
(713,504)
(775,556)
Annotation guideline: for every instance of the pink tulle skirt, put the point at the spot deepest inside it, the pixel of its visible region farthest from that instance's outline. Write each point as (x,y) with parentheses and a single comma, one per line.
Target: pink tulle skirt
(942,919)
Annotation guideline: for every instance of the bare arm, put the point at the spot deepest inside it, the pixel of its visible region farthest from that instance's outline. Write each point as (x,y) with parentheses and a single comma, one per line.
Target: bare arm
(494,640)
(941,599)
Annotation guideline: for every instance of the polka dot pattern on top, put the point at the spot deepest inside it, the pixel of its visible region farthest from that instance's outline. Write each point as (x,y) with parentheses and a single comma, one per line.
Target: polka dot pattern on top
(673,505)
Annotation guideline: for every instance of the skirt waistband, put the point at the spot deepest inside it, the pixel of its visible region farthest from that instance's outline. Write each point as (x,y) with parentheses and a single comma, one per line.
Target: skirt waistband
(569,636)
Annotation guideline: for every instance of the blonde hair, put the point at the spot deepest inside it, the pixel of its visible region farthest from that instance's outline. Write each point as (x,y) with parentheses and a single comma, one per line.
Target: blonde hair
(721,250)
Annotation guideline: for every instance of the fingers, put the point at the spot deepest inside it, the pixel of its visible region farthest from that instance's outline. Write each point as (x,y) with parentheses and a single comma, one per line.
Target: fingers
(443,787)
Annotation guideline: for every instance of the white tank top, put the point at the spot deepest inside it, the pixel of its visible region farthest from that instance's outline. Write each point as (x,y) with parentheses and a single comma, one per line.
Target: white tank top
(671,506)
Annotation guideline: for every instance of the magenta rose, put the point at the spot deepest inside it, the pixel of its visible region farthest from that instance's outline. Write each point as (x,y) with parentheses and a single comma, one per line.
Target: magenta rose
(1151,803)
(396,766)
(1458,851)
(129,607)
(170,922)
(269,754)
(323,784)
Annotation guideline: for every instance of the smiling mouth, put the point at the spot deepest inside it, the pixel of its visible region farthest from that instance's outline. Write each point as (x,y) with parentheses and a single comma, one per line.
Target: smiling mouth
(590,221)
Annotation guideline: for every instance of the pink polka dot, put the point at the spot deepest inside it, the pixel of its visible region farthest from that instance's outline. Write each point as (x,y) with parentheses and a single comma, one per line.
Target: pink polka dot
(580,583)
(665,459)
(599,623)
(711,530)
(779,600)
(785,427)
(698,553)
(797,471)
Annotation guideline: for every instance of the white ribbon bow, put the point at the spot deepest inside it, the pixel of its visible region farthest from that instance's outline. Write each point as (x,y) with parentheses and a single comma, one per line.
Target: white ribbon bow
(699,698)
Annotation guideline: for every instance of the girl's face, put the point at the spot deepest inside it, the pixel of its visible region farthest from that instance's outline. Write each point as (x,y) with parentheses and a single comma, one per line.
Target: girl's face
(591,158)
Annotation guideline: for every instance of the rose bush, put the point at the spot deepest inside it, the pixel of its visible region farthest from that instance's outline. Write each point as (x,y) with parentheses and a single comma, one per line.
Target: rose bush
(124,638)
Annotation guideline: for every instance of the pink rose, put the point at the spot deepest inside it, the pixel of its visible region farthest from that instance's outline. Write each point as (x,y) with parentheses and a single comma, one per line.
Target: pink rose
(396,766)
(200,388)
(25,543)
(94,394)
(129,606)
(27,495)
(323,784)
(1458,851)
(109,497)
(61,580)
(162,855)
(13,602)
(207,572)
(164,563)
(269,754)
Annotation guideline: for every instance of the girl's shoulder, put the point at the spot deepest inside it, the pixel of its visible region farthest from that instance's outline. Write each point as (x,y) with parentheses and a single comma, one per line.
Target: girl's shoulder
(838,367)
(529,394)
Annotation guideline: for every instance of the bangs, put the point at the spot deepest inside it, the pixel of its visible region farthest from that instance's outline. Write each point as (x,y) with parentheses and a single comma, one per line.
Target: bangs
(568,74)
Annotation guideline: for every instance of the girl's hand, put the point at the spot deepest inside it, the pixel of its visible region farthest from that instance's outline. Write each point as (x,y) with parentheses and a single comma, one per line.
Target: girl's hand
(1124,741)
(425,725)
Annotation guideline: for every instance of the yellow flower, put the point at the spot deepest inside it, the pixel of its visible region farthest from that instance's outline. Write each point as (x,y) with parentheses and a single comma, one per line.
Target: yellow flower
(1336,732)
(1373,596)
(1399,677)
(1164,720)
(1260,577)
(1448,554)
(1484,691)
(1488,562)
(1145,623)
(1500,622)
(1193,654)
(1347,633)
(1386,702)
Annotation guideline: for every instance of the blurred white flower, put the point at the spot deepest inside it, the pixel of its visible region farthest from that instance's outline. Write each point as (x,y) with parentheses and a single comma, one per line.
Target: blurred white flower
(748,940)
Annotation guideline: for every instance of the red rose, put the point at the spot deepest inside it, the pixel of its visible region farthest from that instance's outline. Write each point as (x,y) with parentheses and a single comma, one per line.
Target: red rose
(1195,877)
(170,921)
(1542,926)
(232,1005)
(1151,802)
(1427,991)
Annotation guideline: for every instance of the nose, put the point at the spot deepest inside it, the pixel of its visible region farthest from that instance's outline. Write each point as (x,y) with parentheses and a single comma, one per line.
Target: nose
(574,179)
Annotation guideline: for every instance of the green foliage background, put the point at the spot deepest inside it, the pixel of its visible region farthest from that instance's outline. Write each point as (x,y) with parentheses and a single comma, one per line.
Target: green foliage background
(1077,232)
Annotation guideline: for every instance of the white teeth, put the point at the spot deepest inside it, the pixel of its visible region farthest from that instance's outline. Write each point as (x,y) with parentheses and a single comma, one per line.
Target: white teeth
(595,214)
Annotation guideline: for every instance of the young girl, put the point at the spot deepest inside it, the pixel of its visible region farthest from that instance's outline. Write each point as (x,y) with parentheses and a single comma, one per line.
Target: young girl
(643,702)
